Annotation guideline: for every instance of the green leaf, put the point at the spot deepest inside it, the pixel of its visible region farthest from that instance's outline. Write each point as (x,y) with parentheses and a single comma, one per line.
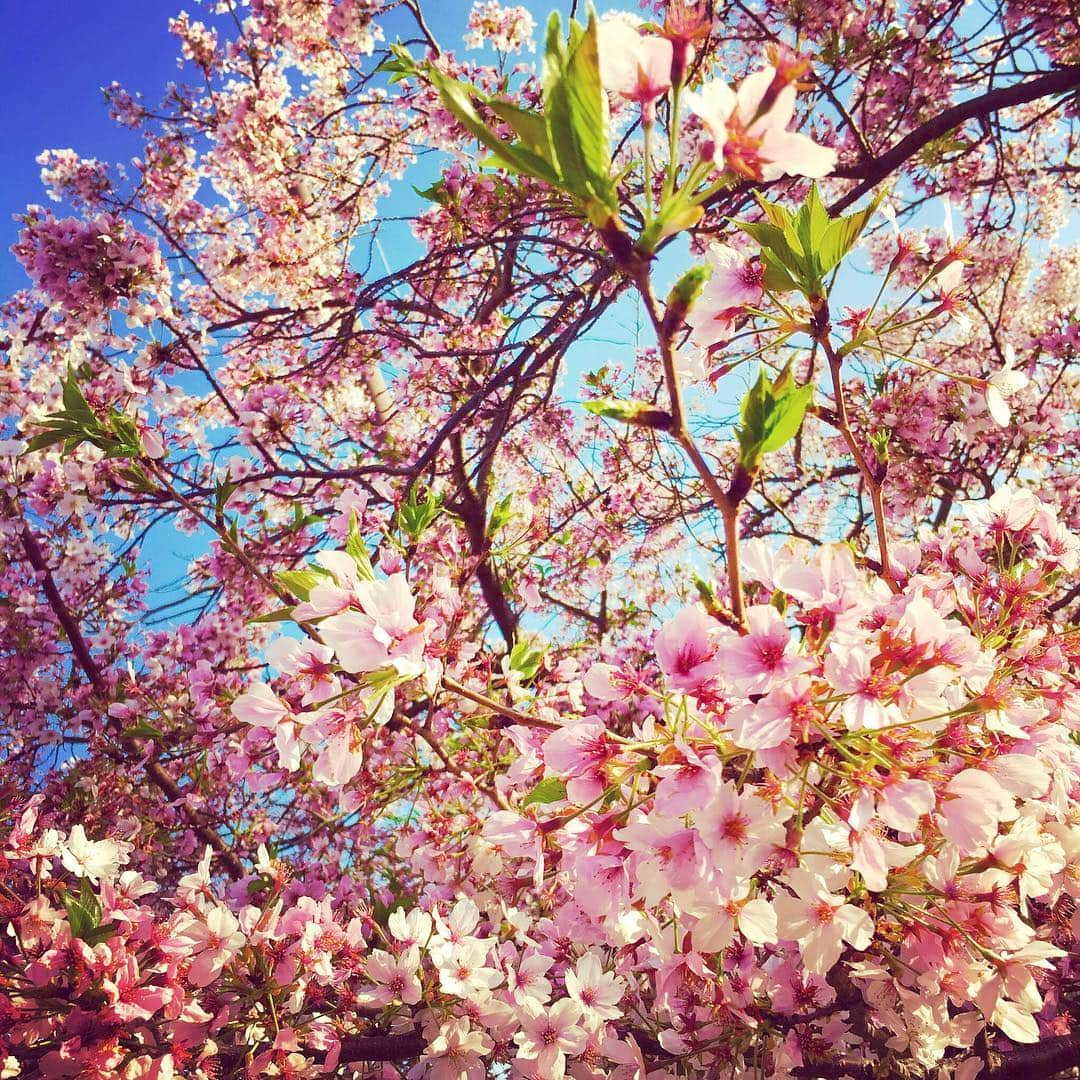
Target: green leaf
(777,242)
(100,933)
(357,548)
(638,413)
(774,276)
(399,65)
(798,250)
(779,216)
(284,614)
(54,434)
(83,911)
(844,233)
(530,127)
(811,224)
(436,193)
(786,418)
(75,404)
(550,790)
(574,113)
(500,515)
(142,730)
(301,582)
(415,515)
(458,98)
(771,414)
(688,288)
(526,659)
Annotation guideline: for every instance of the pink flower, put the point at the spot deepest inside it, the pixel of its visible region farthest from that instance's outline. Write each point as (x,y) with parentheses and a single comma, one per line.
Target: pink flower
(686,786)
(548,1034)
(973,807)
(310,664)
(671,856)
(749,132)
(633,65)
(341,746)
(596,991)
(600,683)
(820,921)
(384,633)
(212,941)
(463,919)
(601,884)
(127,999)
(517,837)
(720,916)
(260,707)
(765,724)
(868,855)
(686,648)
(736,282)
(410,929)
(456,1053)
(334,592)
(463,968)
(902,804)
(869,704)
(525,978)
(741,830)
(395,976)
(763,657)
(580,751)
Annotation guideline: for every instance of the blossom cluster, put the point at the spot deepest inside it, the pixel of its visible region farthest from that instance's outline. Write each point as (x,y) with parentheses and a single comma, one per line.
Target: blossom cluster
(508,29)
(87,268)
(851,823)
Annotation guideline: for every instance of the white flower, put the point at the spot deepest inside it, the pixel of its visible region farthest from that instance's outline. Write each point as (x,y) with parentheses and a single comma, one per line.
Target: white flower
(93,859)
(1003,385)
(548,1035)
(455,1053)
(820,921)
(597,992)
(212,941)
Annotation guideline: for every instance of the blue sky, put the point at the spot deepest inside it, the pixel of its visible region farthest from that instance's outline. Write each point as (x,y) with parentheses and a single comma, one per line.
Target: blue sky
(55,55)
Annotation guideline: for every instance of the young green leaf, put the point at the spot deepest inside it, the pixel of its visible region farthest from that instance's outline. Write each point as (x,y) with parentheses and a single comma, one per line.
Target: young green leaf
(416,514)
(355,546)
(637,413)
(526,659)
(515,157)
(575,115)
(301,582)
(550,790)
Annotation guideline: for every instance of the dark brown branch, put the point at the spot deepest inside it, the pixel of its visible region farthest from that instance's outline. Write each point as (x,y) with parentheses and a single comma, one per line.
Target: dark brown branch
(381,1047)
(1043,1060)
(872,172)
(81,651)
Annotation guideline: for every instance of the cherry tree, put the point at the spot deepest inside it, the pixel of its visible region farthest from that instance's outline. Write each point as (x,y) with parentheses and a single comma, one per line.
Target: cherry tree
(623,471)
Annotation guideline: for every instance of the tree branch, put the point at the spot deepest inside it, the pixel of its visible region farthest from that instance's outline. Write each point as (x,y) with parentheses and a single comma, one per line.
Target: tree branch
(81,651)
(872,172)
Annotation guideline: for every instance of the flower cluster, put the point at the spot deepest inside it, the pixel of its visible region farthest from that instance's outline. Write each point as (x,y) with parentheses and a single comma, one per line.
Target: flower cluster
(508,29)
(87,268)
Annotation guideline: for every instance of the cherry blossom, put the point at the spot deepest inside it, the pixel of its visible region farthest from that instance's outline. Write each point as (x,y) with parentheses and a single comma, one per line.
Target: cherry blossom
(748,128)
(634,65)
